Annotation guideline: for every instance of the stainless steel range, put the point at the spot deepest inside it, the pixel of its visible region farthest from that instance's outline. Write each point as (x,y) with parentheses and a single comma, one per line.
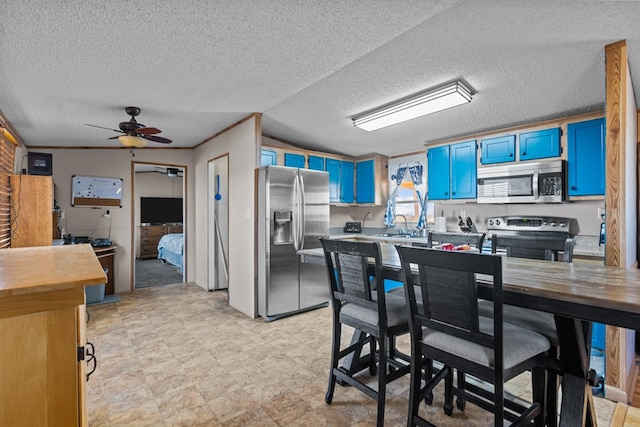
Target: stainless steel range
(532,226)
(523,225)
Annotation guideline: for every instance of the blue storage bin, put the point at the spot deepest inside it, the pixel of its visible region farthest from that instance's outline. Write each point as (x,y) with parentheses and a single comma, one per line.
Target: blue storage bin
(95,293)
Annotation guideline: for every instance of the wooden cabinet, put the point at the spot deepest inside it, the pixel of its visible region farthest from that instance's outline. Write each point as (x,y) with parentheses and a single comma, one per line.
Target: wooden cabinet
(498,150)
(452,171)
(371,181)
(586,158)
(32,219)
(42,331)
(106,257)
(150,235)
(539,144)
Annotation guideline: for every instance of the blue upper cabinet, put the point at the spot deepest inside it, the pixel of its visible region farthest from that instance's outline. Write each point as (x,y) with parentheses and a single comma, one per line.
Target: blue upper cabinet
(346,181)
(294,160)
(365,181)
(586,158)
(498,150)
(464,180)
(332,166)
(438,172)
(540,144)
(316,163)
(268,157)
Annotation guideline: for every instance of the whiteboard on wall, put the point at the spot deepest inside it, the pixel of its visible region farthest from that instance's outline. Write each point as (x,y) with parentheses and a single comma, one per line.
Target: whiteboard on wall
(96,191)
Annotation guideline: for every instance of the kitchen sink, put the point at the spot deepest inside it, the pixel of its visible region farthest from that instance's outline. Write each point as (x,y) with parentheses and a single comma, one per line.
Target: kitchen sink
(403,236)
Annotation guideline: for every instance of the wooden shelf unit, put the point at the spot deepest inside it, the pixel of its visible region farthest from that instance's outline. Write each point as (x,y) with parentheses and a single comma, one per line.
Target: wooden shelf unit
(32,197)
(150,235)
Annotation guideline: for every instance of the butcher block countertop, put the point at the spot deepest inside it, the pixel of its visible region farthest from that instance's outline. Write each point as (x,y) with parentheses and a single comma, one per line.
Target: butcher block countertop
(48,268)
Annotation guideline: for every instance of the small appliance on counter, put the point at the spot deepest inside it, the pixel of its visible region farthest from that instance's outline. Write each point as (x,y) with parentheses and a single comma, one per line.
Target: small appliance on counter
(353,227)
(466,225)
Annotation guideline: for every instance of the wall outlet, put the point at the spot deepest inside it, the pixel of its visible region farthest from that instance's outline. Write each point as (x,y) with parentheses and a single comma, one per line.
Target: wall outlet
(63,215)
(107,214)
(601,213)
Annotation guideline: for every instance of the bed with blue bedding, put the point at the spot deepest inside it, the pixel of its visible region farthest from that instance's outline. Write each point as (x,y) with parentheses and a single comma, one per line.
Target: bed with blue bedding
(171,249)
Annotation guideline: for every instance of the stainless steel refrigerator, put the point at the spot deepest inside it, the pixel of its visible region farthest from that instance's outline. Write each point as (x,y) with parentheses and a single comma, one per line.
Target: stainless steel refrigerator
(293,213)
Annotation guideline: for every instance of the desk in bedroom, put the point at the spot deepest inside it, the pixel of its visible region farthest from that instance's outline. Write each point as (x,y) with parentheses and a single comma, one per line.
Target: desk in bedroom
(574,293)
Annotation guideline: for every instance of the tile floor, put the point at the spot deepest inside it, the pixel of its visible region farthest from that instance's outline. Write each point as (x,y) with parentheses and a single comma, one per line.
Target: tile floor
(180,356)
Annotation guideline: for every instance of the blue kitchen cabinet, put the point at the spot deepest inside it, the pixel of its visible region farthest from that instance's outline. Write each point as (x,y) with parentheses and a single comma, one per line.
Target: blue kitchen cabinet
(539,144)
(268,157)
(346,181)
(316,163)
(365,181)
(498,150)
(586,158)
(332,166)
(294,160)
(464,171)
(438,172)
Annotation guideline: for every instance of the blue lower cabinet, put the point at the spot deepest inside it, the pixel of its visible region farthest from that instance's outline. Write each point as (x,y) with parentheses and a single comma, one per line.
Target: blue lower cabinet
(598,333)
(391,284)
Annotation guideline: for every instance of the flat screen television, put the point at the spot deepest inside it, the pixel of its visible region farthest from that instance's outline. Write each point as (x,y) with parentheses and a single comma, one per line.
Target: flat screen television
(160,210)
(40,163)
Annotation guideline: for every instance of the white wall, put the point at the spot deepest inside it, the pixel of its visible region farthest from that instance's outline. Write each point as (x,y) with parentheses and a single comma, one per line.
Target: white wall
(112,163)
(242,144)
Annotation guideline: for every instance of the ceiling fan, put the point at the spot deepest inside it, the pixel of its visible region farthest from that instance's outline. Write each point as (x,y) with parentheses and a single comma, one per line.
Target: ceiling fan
(136,135)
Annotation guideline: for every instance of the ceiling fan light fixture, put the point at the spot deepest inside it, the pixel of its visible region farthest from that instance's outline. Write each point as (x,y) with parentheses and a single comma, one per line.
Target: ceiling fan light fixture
(418,105)
(132,141)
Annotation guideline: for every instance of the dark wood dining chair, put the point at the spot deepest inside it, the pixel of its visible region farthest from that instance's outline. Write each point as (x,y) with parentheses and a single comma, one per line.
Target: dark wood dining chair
(356,301)
(544,248)
(446,326)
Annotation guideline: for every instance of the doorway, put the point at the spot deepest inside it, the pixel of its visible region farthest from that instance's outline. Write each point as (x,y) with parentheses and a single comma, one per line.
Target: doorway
(218,220)
(158,220)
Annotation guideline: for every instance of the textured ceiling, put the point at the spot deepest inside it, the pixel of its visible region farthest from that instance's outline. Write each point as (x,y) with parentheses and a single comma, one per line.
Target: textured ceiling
(196,67)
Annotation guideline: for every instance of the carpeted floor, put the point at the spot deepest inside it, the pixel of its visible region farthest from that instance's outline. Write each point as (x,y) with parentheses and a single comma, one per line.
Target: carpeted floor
(152,272)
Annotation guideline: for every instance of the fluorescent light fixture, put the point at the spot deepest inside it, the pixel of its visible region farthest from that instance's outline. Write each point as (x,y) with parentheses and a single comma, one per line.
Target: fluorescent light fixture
(421,104)
(132,141)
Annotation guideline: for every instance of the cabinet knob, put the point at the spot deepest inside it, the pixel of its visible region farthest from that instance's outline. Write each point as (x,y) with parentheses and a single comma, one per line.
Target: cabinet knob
(524,153)
(510,154)
(453,193)
(573,187)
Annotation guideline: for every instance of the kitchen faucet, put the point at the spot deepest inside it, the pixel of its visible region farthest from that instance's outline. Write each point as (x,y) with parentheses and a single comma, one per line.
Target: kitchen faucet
(406,230)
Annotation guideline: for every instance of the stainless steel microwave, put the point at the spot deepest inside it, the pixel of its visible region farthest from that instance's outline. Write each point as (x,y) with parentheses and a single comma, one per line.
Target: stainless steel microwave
(530,182)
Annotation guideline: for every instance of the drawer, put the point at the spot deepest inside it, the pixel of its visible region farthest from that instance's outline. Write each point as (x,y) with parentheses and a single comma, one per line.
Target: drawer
(153,231)
(175,229)
(150,240)
(148,250)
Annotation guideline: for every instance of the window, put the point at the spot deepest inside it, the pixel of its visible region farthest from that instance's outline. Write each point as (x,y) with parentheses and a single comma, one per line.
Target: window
(7,155)
(407,186)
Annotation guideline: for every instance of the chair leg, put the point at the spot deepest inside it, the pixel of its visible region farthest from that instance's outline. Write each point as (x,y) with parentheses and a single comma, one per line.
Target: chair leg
(448,391)
(414,383)
(539,388)
(382,379)
(498,401)
(551,404)
(335,351)
(372,354)
(460,401)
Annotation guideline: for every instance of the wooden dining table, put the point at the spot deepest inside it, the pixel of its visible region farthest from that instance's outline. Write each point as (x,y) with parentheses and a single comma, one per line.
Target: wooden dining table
(577,294)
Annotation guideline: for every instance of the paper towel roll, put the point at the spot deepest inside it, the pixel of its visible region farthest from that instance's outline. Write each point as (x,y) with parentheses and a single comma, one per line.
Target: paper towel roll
(441,224)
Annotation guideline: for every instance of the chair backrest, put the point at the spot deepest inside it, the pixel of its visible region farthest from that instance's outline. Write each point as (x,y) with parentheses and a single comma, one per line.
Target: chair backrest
(476,239)
(538,247)
(447,281)
(351,276)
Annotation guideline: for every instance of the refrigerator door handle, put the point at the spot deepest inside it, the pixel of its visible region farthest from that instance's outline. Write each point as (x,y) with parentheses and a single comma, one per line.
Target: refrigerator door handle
(303,214)
(296,215)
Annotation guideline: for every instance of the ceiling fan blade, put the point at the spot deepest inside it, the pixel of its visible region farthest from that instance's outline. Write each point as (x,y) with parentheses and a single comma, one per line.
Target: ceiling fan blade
(157,139)
(102,127)
(148,130)
(114,137)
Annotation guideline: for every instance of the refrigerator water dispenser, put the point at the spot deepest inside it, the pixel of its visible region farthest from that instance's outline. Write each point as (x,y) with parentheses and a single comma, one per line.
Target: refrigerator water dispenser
(282,228)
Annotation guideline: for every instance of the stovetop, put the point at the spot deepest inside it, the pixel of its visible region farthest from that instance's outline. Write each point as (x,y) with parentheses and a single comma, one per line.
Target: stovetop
(538,225)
